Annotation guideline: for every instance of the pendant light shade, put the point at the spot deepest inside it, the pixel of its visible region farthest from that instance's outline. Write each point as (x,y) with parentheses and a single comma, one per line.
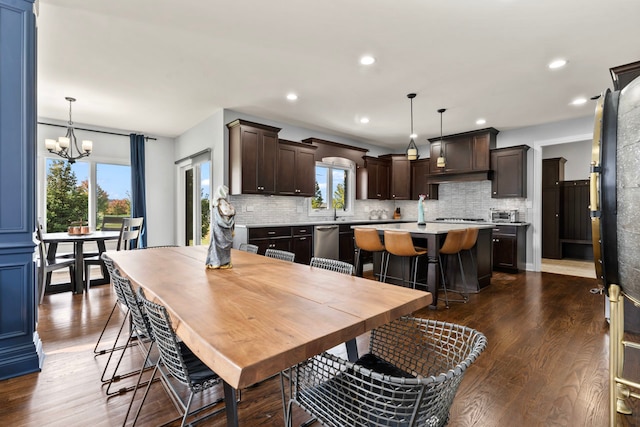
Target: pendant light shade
(412,149)
(441,162)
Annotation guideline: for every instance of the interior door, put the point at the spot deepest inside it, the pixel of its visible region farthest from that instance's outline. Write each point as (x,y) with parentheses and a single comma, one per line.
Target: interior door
(196,209)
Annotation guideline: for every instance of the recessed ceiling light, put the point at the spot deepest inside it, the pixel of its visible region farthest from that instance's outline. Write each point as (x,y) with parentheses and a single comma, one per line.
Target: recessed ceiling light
(292,96)
(579,101)
(558,63)
(481,121)
(367,60)
(364,120)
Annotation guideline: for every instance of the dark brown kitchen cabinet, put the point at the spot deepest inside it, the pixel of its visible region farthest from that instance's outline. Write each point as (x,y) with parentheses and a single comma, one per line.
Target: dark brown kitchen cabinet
(419,178)
(346,243)
(302,243)
(399,176)
(270,238)
(509,248)
(296,169)
(552,176)
(464,152)
(377,178)
(575,219)
(253,157)
(509,167)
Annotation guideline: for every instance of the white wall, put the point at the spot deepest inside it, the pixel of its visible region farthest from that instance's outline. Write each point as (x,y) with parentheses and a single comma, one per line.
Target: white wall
(537,137)
(578,155)
(115,149)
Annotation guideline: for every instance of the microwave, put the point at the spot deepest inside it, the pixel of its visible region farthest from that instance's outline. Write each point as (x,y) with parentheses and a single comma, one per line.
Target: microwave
(504,215)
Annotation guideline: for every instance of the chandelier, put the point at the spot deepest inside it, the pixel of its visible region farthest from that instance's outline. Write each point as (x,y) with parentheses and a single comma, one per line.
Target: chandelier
(412,149)
(64,146)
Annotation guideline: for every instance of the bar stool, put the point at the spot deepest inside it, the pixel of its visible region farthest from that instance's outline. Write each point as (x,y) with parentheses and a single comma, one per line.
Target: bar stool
(399,243)
(367,239)
(452,246)
(469,241)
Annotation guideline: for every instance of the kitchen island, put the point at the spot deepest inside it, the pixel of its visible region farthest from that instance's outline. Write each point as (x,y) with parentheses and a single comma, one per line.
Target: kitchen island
(431,236)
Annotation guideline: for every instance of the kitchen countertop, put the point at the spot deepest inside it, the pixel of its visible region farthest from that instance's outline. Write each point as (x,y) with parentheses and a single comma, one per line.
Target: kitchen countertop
(329,222)
(434,227)
(379,221)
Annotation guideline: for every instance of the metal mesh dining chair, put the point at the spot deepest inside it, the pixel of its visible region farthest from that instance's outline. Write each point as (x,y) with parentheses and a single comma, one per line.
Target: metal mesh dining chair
(332,265)
(280,254)
(176,362)
(248,247)
(120,302)
(409,377)
(139,331)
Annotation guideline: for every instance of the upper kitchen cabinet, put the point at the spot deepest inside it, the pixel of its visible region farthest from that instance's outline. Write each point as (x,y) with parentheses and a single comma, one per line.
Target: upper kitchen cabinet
(377,171)
(419,185)
(296,169)
(466,156)
(253,157)
(399,176)
(509,167)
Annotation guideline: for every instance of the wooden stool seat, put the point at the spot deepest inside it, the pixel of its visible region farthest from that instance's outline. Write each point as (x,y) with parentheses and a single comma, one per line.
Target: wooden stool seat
(367,239)
(400,243)
(452,245)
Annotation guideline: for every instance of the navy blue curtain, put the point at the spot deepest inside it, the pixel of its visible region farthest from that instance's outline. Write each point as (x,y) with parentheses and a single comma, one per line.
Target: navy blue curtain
(138,194)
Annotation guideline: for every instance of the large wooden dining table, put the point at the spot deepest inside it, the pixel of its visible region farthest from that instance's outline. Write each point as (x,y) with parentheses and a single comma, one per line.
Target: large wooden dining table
(263,315)
(78,240)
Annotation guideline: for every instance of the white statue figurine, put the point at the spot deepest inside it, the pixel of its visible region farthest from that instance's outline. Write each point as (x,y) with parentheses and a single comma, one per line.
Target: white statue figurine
(222,226)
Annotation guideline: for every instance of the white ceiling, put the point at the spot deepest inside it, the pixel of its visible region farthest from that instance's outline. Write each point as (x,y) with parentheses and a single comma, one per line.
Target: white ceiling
(162,66)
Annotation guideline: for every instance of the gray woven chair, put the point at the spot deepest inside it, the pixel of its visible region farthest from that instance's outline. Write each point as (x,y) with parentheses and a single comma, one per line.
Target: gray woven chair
(176,361)
(139,331)
(279,254)
(120,302)
(332,265)
(409,378)
(248,247)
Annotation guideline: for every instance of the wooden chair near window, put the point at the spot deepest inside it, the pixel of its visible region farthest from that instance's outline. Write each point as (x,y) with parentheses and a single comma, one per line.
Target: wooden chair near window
(46,267)
(130,229)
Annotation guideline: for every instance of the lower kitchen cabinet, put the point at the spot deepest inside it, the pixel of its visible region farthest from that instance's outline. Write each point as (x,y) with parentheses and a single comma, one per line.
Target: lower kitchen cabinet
(509,248)
(270,238)
(302,244)
(346,243)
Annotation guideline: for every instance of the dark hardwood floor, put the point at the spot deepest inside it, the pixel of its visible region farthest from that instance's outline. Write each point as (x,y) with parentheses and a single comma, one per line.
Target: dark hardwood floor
(546,363)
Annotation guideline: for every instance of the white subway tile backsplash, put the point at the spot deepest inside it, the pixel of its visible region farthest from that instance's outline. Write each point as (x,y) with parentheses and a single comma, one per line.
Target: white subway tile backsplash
(456,199)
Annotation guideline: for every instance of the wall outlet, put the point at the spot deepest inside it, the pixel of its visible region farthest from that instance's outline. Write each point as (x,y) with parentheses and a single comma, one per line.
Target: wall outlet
(249,208)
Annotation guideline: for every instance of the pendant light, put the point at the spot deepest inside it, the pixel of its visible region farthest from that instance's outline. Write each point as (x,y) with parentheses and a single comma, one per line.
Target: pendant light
(441,160)
(412,149)
(64,146)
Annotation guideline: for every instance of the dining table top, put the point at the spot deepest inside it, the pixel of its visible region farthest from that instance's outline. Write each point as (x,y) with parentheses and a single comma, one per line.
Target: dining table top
(263,315)
(63,236)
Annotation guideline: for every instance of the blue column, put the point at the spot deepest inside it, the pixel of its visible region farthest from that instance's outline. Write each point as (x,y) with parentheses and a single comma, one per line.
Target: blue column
(20,347)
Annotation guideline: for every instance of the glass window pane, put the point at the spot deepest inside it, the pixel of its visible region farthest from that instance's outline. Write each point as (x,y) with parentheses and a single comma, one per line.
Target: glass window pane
(205,210)
(113,190)
(339,188)
(67,193)
(320,198)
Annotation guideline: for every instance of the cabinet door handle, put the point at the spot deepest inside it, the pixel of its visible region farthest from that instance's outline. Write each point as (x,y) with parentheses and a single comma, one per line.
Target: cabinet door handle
(303,238)
(495,192)
(271,233)
(497,240)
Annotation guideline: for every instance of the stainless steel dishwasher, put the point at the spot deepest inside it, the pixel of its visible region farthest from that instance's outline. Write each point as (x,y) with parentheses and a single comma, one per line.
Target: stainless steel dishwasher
(325,241)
